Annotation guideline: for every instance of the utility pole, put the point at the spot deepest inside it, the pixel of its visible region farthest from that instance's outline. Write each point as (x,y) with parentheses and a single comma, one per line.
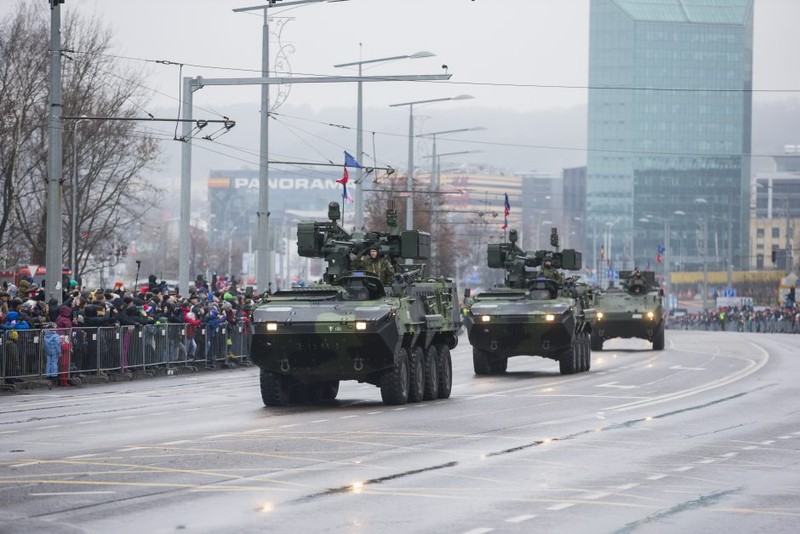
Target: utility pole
(54,236)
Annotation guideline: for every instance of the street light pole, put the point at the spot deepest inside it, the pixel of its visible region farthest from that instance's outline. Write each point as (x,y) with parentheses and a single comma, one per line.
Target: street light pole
(705,263)
(358,186)
(410,177)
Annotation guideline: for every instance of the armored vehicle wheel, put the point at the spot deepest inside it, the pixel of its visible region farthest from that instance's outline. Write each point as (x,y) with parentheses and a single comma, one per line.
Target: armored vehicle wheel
(445,367)
(480,362)
(431,374)
(568,360)
(597,342)
(658,339)
(394,382)
(327,391)
(416,375)
(274,389)
(588,353)
(498,365)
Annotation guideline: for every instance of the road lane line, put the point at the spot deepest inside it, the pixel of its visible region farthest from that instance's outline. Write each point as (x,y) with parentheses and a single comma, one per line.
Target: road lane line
(562,506)
(81,456)
(62,493)
(598,495)
(627,486)
(519,518)
(479,531)
(658,476)
(683,469)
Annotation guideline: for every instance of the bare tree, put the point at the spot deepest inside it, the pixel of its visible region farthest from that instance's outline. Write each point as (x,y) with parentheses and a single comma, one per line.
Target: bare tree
(112,156)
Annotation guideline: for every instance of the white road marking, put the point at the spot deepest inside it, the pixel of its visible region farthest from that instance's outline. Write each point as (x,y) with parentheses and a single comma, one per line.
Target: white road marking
(81,456)
(373,413)
(88,422)
(730,454)
(257,430)
(398,409)
(175,442)
(562,506)
(289,426)
(750,448)
(217,436)
(684,468)
(659,476)
(707,461)
(784,437)
(60,493)
(768,442)
(129,449)
(479,531)
(320,421)
(24,465)
(615,385)
(9,432)
(682,368)
(627,486)
(348,416)
(519,518)
(49,427)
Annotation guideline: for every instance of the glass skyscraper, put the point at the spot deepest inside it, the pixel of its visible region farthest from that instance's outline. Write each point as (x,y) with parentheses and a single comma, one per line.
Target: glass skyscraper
(669,132)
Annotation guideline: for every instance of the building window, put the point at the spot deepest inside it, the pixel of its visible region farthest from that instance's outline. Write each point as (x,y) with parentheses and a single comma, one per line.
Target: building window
(776,232)
(760,233)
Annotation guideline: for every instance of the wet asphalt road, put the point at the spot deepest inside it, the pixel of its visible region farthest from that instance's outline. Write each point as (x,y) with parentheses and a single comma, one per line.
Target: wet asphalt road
(702,437)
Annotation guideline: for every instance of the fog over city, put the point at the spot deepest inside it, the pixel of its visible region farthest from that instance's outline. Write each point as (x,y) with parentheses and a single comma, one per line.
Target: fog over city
(525,62)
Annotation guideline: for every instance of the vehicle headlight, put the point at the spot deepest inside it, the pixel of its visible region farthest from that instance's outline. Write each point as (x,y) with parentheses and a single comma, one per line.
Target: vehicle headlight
(361,325)
(486,318)
(272,327)
(650,315)
(599,315)
(550,317)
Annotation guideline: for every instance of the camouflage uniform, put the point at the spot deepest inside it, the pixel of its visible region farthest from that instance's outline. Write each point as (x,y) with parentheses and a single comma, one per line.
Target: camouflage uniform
(381,267)
(636,283)
(548,271)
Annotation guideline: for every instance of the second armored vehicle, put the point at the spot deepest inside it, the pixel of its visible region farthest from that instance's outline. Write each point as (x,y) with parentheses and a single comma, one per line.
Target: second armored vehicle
(632,311)
(536,312)
(396,334)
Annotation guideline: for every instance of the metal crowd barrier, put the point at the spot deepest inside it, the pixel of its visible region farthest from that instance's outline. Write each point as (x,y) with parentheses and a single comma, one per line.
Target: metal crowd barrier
(752,324)
(47,357)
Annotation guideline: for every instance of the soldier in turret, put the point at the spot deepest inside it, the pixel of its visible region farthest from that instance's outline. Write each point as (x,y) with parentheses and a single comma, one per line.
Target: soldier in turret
(636,283)
(379,265)
(548,270)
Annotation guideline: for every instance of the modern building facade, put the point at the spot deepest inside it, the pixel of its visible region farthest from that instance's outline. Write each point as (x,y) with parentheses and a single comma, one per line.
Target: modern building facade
(669,129)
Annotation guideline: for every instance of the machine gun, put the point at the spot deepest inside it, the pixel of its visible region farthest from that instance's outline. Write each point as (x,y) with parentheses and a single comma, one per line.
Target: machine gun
(521,266)
(330,241)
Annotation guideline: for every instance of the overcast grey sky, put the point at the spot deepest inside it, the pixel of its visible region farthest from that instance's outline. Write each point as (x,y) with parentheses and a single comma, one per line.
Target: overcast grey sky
(525,42)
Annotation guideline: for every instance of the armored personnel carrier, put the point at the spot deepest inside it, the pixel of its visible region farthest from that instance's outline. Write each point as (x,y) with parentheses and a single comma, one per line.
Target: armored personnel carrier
(631,311)
(537,312)
(351,326)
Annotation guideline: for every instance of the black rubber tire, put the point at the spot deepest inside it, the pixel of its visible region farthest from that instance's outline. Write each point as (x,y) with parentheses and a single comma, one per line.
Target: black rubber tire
(431,374)
(274,389)
(658,339)
(597,342)
(416,375)
(480,362)
(588,352)
(568,359)
(445,364)
(327,391)
(498,365)
(394,382)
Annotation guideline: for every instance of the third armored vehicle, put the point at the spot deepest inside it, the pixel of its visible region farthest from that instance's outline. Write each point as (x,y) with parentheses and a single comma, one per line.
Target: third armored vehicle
(531,314)
(631,311)
(395,334)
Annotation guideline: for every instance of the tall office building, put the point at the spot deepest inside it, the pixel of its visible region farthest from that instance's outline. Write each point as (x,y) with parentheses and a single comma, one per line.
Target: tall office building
(669,131)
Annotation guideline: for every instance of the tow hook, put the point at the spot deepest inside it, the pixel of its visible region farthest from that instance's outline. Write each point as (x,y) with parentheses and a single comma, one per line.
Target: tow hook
(285,365)
(493,345)
(358,364)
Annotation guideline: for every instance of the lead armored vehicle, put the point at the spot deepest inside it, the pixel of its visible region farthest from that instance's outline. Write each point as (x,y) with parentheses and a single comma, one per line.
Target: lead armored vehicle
(351,326)
(631,311)
(537,311)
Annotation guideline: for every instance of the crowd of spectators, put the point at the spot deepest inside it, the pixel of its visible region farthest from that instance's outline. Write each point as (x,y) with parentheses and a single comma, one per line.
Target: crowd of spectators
(780,319)
(25,306)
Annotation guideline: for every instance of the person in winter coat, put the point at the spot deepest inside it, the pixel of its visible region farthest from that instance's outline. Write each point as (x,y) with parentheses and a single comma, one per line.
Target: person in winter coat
(52,350)
(12,325)
(64,320)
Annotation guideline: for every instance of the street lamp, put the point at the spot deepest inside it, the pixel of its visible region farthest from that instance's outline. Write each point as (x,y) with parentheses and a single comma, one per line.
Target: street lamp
(357,190)
(263,274)
(410,178)
(73,249)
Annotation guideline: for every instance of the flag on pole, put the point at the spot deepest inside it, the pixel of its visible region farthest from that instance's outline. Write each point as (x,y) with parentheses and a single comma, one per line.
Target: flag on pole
(660,255)
(647,266)
(343,180)
(350,161)
(506,211)
(602,253)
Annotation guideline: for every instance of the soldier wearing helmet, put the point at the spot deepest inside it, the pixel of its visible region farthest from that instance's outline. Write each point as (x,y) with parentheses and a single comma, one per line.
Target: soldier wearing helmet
(379,265)
(548,270)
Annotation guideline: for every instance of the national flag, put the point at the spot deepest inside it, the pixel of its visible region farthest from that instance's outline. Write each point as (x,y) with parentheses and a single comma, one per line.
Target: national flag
(350,161)
(506,211)
(343,180)
(647,266)
(659,256)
